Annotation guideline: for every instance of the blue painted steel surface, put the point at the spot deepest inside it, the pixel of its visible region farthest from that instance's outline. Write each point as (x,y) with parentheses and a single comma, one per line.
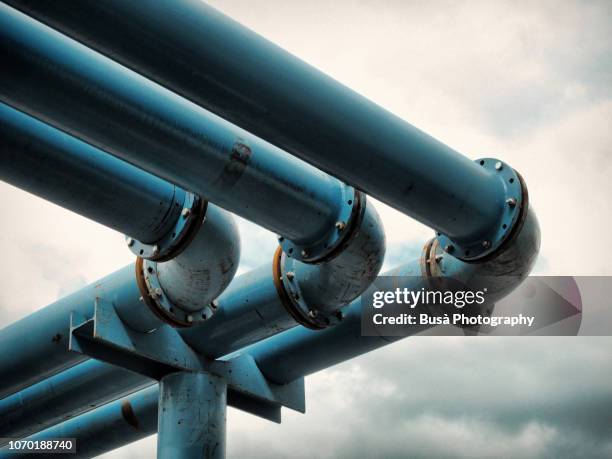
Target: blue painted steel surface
(249,311)
(191,416)
(319,291)
(219,64)
(29,410)
(106,428)
(201,272)
(39,342)
(122,112)
(43,160)
(298,352)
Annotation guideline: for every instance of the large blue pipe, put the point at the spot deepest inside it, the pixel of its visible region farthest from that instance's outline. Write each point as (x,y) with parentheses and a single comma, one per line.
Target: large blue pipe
(38,343)
(29,411)
(71,173)
(103,188)
(133,118)
(212,60)
(250,312)
(109,427)
(299,351)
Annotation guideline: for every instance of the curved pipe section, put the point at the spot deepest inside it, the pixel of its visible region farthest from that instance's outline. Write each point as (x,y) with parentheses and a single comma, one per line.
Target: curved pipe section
(180,292)
(254,307)
(41,339)
(314,294)
(299,352)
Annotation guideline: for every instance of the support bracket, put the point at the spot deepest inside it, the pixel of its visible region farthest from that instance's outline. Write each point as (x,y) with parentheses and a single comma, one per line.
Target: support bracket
(161,352)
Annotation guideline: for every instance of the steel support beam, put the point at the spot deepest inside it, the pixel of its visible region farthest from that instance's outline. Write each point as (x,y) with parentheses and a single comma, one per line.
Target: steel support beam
(133,118)
(222,66)
(191,416)
(39,342)
(298,352)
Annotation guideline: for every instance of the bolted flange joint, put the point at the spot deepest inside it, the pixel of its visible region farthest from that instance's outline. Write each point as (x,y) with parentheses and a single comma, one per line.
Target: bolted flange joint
(189,211)
(331,243)
(511,198)
(314,293)
(155,298)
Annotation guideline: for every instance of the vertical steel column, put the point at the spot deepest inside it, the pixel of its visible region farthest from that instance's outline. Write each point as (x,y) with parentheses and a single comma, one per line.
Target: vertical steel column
(191,416)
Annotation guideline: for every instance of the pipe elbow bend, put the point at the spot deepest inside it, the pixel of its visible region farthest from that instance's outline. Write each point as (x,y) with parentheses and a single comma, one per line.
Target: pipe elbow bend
(503,270)
(181,291)
(314,293)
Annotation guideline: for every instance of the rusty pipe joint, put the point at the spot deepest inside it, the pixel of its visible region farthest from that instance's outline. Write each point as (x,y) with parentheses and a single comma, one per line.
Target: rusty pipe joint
(313,294)
(187,213)
(181,292)
(345,202)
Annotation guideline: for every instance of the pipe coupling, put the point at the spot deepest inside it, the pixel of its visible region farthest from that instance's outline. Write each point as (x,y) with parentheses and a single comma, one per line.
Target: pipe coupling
(188,211)
(313,294)
(154,296)
(510,198)
(328,246)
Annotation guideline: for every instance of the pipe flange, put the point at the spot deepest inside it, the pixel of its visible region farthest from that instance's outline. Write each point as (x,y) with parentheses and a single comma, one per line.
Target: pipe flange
(510,210)
(288,290)
(294,304)
(156,299)
(174,242)
(327,247)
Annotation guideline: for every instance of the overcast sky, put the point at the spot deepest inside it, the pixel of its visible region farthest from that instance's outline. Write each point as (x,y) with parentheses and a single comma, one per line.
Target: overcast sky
(527,82)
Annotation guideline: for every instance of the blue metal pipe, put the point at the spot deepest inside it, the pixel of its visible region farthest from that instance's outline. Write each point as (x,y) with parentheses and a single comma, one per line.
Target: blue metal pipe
(248,311)
(40,340)
(29,411)
(222,66)
(299,352)
(106,428)
(135,119)
(102,187)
